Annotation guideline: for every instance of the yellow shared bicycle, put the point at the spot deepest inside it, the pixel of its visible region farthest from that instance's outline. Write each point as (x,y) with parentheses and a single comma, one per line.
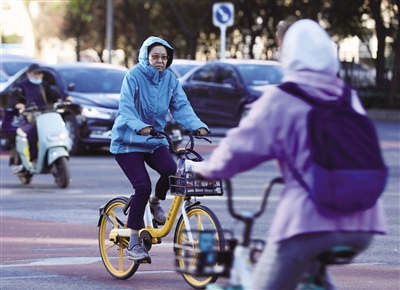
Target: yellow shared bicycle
(194,218)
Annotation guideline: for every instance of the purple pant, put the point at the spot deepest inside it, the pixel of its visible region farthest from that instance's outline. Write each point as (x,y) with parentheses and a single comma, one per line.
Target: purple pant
(134,166)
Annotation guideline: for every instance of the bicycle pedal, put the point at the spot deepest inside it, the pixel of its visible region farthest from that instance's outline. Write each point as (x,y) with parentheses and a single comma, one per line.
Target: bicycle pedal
(144,261)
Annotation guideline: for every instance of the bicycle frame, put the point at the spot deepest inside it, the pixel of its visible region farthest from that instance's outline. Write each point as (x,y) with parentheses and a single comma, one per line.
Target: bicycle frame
(242,268)
(149,229)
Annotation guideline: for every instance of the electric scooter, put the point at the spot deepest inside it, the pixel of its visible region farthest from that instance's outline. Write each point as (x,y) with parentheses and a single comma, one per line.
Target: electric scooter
(53,140)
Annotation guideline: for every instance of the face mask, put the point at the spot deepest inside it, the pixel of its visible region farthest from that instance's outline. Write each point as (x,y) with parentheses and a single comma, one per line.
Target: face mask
(35,81)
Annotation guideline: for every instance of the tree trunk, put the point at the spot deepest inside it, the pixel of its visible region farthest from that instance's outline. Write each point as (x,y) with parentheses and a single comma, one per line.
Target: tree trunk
(395,86)
(381,33)
(34,29)
(77,48)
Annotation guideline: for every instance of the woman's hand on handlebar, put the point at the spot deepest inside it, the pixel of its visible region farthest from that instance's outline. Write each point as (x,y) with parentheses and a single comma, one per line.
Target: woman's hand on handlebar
(20,106)
(202,131)
(145,131)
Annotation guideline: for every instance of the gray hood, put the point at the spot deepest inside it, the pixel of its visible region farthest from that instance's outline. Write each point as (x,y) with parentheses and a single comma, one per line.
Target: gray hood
(143,54)
(307,47)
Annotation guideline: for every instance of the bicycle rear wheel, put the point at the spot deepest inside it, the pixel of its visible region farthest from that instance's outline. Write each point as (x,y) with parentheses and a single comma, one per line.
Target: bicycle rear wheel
(113,253)
(200,218)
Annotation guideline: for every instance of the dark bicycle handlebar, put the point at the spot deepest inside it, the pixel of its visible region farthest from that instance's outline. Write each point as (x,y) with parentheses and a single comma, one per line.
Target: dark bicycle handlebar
(32,107)
(248,219)
(188,148)
(261,209)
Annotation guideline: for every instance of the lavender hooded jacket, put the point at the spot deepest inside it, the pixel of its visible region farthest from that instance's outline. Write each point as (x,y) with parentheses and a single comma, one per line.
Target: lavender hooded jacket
(275,128)
(146,96)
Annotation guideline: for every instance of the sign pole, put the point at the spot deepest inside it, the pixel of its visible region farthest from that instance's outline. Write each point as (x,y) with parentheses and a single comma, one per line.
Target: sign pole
(223,16)
(223,41)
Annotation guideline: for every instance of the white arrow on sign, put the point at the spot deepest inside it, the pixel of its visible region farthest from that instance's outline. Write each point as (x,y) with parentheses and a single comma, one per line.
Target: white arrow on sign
(224,15)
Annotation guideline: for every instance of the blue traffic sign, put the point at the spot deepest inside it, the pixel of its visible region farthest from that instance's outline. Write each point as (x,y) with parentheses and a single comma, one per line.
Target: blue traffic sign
(223,14)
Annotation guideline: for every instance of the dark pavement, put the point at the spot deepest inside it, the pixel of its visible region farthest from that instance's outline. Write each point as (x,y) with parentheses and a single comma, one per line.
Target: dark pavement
(44,255)
(33,250)
(52,255)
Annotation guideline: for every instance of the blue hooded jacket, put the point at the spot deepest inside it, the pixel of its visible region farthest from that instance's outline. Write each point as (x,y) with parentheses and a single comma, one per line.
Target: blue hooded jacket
(146,96)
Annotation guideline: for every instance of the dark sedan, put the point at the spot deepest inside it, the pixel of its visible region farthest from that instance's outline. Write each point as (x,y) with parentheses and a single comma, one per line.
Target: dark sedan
(219,90)
(95,88)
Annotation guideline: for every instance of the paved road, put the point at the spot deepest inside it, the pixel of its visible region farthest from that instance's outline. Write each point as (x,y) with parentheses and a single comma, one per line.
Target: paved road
(49,235)
(40,255)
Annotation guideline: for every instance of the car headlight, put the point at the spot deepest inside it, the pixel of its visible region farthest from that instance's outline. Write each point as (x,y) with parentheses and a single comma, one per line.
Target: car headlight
(100,113)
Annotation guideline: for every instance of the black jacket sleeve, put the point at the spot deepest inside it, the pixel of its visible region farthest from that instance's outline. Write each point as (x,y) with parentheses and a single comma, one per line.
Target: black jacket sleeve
(16,96)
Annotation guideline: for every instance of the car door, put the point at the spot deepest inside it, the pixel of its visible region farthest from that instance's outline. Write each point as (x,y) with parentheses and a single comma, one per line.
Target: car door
(197,90)
(225,96)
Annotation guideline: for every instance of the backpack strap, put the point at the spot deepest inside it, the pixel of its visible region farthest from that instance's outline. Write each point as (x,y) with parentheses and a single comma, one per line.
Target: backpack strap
(295,90)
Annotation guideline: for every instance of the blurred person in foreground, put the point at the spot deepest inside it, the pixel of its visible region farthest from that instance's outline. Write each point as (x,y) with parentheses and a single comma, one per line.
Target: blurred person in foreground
(33,91)
(148,91)
(275,128)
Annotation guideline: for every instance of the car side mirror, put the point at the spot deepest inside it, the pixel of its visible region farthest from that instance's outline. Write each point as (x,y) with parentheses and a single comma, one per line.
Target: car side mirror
(71,87)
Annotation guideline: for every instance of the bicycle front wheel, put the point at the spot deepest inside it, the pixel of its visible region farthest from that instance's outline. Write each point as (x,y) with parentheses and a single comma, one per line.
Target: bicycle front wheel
(113,252)
(200,218)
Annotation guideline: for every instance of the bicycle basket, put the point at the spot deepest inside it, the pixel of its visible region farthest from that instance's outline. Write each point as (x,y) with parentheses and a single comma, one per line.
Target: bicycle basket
(204,258)
(188,185)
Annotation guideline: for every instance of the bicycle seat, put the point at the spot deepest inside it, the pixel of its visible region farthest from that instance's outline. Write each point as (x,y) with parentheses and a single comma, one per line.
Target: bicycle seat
(338,255)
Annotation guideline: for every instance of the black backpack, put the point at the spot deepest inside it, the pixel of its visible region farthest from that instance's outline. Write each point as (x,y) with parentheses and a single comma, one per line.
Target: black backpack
(349,173)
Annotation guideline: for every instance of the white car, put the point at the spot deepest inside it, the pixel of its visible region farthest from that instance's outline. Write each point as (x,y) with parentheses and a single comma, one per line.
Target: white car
(181,66)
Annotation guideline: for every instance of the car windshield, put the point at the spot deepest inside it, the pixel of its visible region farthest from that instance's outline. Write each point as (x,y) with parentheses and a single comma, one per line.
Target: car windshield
(93,80)
(259,75)
(184,68)
(3,78)
(11,68)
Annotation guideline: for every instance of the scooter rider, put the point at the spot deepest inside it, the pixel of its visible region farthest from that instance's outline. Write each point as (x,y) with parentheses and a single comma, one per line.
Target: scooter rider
(33,90)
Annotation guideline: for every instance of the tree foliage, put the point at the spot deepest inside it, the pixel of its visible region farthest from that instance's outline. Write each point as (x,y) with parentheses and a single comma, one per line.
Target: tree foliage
(187,25)
(79,15)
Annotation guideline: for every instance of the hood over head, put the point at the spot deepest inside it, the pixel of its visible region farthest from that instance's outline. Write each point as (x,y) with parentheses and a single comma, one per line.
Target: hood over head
(34,68)
(144,50)
(306,46)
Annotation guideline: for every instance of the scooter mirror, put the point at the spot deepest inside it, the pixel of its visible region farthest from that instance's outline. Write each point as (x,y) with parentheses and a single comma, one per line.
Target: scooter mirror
(71,87)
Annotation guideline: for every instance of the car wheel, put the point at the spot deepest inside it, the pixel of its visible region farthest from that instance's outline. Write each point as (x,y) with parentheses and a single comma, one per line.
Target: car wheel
(74,147)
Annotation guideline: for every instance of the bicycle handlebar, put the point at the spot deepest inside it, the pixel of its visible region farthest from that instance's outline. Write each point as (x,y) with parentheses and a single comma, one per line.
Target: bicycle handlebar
(238,216)
(192,134)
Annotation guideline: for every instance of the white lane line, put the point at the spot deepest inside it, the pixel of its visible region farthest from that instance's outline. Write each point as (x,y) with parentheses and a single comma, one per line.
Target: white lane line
(57,262)
(29,277)
(59,276)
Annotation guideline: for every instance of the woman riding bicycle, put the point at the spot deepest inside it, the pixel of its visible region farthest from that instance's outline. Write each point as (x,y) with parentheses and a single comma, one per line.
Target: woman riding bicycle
(275,128)
(147,93)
